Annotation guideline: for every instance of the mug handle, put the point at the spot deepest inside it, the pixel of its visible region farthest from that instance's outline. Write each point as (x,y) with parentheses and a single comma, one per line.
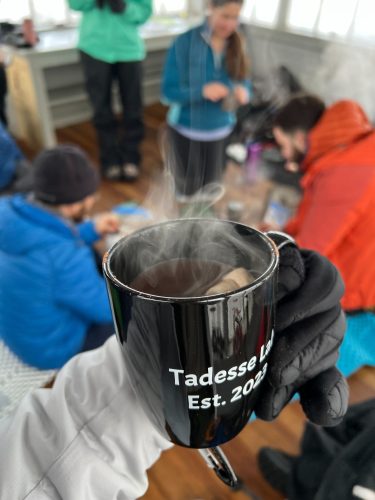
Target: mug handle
(215,457)
(216,460)
(281,239)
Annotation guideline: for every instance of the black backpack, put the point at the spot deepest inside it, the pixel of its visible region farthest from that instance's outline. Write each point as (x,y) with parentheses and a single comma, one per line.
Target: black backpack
(337,463)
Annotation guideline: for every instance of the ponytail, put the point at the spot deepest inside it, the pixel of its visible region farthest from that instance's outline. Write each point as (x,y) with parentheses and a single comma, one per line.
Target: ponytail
(235,59)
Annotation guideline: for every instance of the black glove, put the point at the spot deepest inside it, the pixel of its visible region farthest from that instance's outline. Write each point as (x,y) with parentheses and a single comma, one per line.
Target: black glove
(116,6)
(309,329)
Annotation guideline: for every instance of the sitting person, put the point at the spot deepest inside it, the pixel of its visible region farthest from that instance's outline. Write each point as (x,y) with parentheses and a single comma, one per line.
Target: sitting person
(53,301)
(15,171)
(334,148)
(334,462)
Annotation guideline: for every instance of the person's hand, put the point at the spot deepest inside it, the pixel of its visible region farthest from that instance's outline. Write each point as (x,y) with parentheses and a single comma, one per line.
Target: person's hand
(107,223)
(309,329)
(291,166)
(241,94)
(215,91)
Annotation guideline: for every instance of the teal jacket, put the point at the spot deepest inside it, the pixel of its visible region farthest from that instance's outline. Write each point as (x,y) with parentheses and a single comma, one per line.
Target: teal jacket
(190,64)
(112,37)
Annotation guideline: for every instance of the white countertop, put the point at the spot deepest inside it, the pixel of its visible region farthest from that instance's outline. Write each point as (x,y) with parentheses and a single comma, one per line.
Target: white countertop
(156,30)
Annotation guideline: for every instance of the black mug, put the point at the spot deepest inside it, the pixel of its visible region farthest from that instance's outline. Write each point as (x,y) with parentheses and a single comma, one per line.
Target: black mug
(195,361)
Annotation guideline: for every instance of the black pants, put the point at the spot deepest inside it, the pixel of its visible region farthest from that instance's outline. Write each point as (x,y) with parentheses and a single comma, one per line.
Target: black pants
(194,164)
(99,78)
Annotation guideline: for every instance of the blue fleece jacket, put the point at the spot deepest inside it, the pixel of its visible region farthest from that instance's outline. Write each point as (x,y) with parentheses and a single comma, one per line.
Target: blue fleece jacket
(191,64)
(50,289)
(10,155)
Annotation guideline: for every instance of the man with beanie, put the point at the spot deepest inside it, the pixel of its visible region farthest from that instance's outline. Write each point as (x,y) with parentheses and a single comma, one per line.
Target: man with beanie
(53,301)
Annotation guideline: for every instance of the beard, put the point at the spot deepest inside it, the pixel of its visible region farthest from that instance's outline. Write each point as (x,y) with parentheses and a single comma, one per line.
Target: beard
(79,216)
(297,157)
(293,163)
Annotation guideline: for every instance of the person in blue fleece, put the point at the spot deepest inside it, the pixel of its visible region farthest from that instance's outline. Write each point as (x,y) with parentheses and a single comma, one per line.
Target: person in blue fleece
(53,301)
(204,81)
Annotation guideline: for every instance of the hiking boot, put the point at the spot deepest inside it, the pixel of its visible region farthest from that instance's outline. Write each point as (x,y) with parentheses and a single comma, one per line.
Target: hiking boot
(130,172)
(113,173)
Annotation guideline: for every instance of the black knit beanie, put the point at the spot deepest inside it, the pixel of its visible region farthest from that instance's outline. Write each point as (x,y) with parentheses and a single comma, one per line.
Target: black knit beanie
(64,175)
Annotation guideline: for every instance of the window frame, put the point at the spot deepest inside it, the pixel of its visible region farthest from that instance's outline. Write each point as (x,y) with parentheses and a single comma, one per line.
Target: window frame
(196,8)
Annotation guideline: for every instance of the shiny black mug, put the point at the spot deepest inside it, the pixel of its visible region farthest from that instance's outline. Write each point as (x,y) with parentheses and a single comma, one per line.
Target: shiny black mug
(195,363)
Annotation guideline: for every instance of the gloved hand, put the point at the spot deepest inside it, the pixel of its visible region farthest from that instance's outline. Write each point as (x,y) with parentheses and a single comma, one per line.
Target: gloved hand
(116,6)
(309,329)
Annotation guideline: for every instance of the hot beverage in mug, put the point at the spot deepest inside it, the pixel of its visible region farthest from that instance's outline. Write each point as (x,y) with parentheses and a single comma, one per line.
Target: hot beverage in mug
(193,304)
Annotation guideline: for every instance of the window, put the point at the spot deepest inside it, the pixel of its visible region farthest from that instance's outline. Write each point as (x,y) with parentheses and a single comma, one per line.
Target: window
(336,17)
(49,13)
(264,12)
(14,11)
(303,15)
(320,18)
(165,7)
(363,26)
(347,19)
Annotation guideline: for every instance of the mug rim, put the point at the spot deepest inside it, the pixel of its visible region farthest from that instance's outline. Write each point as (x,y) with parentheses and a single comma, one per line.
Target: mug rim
(199,298)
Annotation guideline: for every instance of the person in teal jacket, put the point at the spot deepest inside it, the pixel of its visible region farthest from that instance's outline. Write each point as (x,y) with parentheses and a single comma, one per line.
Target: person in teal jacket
(111,49)
(53,301)
(204,81)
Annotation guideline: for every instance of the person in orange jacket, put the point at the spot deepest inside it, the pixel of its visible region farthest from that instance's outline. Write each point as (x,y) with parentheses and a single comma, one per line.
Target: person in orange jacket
(334,148)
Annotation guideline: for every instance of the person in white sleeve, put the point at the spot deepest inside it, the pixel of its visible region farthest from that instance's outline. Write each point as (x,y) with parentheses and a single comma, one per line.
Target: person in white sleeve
(88,437)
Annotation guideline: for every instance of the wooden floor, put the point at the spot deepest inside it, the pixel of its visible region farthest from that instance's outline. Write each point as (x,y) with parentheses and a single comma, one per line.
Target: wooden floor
(112,193)
(181,474)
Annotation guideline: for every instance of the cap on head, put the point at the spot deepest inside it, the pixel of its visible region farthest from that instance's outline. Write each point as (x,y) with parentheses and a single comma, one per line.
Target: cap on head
(64,175)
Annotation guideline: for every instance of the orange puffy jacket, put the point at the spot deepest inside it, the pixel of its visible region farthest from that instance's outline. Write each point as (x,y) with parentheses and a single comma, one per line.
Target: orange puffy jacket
(337,213)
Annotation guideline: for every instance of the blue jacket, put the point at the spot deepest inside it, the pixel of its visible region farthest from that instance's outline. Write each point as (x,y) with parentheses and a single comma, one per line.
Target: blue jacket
(50,289)
(10,155)
(190,64)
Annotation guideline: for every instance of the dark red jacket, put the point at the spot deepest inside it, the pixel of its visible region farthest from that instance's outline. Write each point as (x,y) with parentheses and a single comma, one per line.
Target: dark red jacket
(337,212)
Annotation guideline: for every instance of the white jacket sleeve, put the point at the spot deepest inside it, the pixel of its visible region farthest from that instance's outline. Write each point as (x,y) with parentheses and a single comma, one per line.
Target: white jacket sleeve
(85,439)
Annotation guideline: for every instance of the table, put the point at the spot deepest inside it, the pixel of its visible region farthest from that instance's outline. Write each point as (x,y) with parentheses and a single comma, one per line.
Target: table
(46,82)
(256,196)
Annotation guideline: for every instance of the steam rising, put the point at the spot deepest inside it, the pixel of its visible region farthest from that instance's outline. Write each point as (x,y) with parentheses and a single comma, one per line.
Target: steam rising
(192,186)
(187,192)
(203,241)
(346,72)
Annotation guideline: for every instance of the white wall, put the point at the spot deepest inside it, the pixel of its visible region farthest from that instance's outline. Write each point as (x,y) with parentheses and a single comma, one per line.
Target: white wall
(332,70)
